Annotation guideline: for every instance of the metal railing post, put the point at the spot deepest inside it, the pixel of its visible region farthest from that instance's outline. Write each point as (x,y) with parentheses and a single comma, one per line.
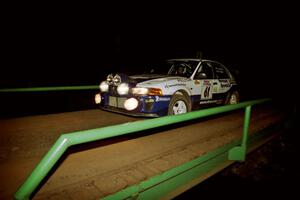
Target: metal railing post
(239,153)
(42,169)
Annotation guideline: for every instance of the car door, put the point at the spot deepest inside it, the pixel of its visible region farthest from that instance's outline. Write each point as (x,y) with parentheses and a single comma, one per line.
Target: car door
(206,81)
(222,80)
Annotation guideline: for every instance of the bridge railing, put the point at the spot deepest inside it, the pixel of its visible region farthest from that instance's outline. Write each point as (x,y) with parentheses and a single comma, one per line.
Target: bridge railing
(45,89)
(79,137)
(66,140)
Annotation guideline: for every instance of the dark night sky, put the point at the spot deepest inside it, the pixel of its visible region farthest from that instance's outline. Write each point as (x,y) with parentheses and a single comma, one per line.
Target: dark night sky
(44,45)
(44,48)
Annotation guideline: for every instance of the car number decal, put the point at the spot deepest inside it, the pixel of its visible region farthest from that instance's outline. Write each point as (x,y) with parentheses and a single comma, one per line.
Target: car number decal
(206,92)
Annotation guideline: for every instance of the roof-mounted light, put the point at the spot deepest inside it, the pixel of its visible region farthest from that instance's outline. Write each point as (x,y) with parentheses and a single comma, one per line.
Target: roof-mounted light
(117,80)
(109,79)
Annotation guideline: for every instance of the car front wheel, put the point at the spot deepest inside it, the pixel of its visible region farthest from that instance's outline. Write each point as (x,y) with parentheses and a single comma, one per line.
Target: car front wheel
(179,104)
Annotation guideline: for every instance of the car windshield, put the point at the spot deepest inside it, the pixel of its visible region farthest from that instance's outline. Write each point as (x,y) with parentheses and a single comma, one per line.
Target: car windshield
(183,68)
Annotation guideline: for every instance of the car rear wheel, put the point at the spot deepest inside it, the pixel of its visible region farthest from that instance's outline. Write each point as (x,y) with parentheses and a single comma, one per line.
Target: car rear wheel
(233,98)
(179,104)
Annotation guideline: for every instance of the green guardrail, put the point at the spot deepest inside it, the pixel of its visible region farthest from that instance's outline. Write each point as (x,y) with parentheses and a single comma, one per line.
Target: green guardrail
(79,137)
(45,89)
(179,179)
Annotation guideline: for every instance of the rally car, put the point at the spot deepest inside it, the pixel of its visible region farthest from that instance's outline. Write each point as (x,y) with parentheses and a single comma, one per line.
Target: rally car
(186,85)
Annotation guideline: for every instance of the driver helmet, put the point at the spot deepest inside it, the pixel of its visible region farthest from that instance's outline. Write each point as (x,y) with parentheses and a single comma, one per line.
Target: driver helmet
(181,70)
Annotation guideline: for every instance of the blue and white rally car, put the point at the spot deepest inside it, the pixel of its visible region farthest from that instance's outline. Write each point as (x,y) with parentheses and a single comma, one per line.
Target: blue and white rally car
(186,85)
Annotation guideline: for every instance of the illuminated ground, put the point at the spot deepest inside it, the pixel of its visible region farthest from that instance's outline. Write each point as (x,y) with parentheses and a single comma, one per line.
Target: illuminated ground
(89,173)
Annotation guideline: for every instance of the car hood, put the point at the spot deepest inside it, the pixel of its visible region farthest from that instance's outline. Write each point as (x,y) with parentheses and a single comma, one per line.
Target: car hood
(156,80)
(145,77)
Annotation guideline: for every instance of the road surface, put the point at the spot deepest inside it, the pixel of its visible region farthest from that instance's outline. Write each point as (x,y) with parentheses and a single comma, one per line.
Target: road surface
(100,168)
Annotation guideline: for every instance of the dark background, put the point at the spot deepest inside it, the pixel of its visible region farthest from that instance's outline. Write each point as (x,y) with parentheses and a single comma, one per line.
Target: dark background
(64,45)
(57,45)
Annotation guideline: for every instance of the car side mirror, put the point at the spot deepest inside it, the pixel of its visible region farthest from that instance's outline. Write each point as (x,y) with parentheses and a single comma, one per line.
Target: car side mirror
(201,75)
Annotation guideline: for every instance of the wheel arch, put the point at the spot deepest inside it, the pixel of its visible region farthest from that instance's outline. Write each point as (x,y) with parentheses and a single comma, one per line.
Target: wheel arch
(181,95)
(185,93)
(182,92)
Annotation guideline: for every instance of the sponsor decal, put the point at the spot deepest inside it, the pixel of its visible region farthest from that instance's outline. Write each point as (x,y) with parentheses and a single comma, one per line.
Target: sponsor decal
(149,100)
(225,85)
(224,81)
(174,85)
(182,80)
(206,82)
(215,88)
(162,98)
(208,101)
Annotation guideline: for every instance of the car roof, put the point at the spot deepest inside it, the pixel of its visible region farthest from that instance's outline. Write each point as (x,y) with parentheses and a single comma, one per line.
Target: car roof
(189,59)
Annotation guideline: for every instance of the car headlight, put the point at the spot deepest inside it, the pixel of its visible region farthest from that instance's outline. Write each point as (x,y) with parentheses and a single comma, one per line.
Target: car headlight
(103,86)
(131,104)
(139,91)
(147,91)
(123,89)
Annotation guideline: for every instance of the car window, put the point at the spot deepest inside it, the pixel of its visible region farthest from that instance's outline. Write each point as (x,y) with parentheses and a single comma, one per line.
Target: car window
(207,69)
(172,68)
(221,72)
(181,68)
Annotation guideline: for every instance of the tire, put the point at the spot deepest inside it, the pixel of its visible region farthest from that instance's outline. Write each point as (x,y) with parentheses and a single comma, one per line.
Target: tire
(179,104)
(232,98)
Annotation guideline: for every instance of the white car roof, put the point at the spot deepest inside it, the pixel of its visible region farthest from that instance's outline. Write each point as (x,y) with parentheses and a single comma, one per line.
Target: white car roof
(188,59)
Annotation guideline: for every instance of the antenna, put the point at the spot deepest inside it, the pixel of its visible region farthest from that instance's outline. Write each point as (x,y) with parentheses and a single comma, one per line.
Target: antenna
(199,55)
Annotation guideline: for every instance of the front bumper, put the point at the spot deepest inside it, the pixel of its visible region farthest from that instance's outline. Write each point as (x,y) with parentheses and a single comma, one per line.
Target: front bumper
(130,113)
(148,106)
